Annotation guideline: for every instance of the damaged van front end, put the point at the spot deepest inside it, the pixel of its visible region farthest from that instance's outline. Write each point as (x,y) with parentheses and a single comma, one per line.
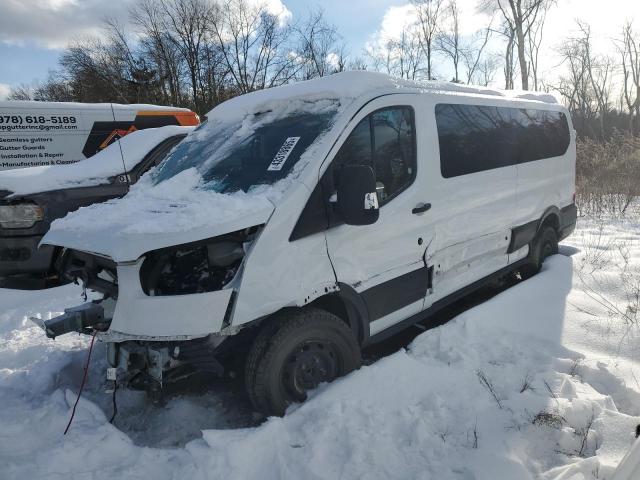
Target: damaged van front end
(163,316)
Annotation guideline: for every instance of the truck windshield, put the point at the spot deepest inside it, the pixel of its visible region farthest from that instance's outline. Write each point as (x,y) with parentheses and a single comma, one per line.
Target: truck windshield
(258,150)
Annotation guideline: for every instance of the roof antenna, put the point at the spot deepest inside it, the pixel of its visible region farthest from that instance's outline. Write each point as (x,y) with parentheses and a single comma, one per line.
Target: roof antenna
(124,165)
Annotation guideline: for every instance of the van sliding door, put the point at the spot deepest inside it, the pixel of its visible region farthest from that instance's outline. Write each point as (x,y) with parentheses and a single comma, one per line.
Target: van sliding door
(477,189)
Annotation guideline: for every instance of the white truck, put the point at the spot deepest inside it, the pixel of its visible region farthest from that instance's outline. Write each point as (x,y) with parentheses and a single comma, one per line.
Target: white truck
(304,222)
(57,133)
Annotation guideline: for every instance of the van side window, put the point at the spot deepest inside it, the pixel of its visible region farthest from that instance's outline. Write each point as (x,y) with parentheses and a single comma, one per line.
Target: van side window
(385,140)
(474,138)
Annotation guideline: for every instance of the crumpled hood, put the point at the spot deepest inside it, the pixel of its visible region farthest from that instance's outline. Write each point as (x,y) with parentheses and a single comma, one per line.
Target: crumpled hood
(149,217)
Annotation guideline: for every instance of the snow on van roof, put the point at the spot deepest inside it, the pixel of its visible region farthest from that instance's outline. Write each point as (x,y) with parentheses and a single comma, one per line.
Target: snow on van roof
(346,86)
(95,170)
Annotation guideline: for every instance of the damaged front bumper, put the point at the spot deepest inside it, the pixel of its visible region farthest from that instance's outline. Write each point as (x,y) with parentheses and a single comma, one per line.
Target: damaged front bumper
(130,313)
(151,338)
(140,364)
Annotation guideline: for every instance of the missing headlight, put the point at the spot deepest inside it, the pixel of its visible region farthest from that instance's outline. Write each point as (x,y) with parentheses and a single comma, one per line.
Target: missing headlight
(198,267)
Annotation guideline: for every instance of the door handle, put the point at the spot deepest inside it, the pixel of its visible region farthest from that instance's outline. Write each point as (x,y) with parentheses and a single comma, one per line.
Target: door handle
(421,208)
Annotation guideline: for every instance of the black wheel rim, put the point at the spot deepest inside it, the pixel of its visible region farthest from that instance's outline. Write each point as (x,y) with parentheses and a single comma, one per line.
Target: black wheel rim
(310,364)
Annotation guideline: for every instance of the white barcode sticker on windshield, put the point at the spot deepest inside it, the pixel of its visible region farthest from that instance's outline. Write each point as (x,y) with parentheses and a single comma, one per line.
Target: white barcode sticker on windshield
(283,154)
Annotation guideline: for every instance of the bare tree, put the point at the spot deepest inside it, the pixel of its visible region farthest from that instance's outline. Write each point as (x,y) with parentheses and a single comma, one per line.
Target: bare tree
(448,39)
(508,66)
(466,52)
(428,14)
(93,73)
(534,41)
(319,47)
(629,48)
(600,71)
(187,26)
(480,67)
(486,69)
(21,92)
(157,45)
(252,42)
(357,63)
(402,57)
(587,88)
(54,89)
(519,17)
(132,69)
(575,86)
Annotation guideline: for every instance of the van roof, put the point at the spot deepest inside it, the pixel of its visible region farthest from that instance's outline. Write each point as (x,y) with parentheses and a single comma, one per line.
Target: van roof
(346,86)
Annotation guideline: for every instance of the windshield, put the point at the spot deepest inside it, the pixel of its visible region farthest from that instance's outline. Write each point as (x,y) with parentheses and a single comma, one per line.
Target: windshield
(258,150)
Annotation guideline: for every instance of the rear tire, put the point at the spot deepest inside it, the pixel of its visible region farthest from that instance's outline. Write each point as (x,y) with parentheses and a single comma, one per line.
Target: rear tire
(544,245)
(296,352)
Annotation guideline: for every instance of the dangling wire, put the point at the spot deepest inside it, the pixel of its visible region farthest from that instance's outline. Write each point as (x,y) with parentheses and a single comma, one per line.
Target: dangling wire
(84,379)
(113,398)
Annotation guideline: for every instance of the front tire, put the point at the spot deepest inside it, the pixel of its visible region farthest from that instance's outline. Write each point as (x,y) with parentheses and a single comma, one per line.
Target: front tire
(296,352)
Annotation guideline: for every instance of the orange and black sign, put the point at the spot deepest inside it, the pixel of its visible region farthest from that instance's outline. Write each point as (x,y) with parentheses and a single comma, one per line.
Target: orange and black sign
(104,134)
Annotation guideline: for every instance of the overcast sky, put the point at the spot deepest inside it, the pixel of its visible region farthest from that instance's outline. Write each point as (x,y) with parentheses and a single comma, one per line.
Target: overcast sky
(33,32)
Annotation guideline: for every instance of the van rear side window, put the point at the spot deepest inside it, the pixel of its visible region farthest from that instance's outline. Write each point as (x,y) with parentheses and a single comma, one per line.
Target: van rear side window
(474,138)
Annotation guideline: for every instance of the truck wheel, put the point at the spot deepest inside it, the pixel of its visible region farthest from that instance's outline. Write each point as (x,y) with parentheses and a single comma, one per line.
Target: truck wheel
(294,354)
(544,245)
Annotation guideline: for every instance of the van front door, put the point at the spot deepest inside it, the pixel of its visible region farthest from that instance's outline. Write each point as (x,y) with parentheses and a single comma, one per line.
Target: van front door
(384,262)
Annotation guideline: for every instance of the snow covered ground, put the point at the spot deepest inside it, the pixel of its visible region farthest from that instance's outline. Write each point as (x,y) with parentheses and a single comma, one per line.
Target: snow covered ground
(540,381)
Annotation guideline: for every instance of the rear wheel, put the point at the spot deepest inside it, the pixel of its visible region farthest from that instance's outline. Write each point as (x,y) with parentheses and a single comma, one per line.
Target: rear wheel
(294,354)
(544,245)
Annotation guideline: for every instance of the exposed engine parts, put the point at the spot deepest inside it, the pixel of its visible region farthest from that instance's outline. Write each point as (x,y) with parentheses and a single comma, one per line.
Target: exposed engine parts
(150,366)
(203,266)
(196,267)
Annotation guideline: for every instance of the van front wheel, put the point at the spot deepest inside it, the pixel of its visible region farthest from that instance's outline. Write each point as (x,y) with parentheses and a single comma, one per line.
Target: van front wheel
(308,347)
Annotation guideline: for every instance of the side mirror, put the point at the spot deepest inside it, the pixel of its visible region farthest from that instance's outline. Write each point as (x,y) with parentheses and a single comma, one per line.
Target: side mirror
(357,198)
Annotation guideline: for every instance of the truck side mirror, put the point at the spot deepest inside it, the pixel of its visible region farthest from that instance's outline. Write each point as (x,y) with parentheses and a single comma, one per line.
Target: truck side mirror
(357,198)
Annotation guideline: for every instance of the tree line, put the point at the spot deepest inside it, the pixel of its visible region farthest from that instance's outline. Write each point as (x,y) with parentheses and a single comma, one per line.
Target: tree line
(192,53)
(199,53)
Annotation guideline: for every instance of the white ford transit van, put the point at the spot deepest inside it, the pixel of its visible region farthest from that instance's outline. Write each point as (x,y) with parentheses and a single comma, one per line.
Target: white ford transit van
(303,222)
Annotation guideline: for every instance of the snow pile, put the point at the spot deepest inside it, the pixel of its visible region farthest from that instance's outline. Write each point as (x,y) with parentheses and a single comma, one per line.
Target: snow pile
(538,382)
(95,170)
